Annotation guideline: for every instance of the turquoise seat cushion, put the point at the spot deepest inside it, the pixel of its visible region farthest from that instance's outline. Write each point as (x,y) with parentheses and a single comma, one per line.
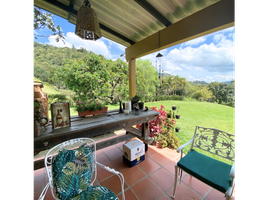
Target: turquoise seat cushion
(96,193)
(71,171)
(206,169)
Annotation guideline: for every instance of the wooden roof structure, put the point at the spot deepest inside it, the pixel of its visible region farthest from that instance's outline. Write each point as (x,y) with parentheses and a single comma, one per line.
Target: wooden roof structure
(147,26)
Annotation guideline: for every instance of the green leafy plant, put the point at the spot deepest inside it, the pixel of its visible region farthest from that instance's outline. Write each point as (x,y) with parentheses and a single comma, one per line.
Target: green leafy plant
(168,139)
(91,105)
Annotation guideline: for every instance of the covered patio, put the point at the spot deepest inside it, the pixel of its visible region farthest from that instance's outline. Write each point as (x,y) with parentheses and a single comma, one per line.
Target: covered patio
(145,27)
(151,179)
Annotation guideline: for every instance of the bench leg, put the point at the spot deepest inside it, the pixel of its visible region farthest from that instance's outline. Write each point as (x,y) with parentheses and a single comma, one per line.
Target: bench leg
(176,179)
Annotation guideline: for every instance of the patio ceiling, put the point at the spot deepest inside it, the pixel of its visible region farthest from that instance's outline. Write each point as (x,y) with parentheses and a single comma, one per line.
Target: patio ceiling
(129,22)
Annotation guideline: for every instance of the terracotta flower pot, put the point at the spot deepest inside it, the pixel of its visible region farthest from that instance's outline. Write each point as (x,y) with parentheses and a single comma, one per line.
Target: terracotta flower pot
(90,112)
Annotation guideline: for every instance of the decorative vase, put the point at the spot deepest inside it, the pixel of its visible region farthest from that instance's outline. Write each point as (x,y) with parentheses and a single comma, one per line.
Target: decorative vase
(90,112)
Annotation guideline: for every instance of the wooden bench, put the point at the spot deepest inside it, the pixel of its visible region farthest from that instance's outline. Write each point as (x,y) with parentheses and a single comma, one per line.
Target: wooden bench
(214,173)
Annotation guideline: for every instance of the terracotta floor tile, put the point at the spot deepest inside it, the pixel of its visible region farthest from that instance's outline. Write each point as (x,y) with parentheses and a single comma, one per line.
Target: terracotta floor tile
(163,179)
(215,194)
(147,190)
(113,183)
(171,153)
(114,153)
(39,172)
(170,167)
(133,175)
(106,149)
(197,185)
(103,173)
(37,194)
(164,197)
(148,166)
(184,192)
(38,183)
(120,145)
(102,158)
(129,195)
(119,164)
(160,159)
(150,151)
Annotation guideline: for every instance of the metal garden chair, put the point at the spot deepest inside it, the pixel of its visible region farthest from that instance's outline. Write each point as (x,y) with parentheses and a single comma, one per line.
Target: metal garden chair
(73,171)
(217,174)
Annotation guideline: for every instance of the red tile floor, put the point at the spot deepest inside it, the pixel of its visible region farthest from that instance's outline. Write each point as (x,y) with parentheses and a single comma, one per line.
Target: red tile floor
(152,179)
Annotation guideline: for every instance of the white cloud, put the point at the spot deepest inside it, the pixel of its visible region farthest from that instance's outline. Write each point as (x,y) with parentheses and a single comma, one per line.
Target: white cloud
(171,67)
(211,57)
(195,41)
(191,78)
(224,77)
(98,47)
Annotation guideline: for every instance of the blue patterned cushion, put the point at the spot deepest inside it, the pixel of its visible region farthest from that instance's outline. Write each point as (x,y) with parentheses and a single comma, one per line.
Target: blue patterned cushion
(96,193)
(71,171)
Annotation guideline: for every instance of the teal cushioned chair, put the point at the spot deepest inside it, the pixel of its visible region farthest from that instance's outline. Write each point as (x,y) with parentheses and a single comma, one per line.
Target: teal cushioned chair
(73,171)
(215,173)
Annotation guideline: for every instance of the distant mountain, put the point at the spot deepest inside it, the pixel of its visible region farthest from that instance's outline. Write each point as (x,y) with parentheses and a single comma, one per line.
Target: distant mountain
(199,82)
(166,74)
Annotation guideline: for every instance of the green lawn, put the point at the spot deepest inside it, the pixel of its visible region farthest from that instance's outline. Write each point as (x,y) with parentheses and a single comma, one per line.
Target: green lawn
(204,114)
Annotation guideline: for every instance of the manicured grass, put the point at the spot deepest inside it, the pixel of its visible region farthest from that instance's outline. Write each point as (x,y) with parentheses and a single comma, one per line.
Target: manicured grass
(203,114)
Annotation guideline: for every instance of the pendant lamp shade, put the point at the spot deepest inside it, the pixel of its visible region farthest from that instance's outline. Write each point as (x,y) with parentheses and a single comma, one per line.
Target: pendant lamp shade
(87,24)
(159,55)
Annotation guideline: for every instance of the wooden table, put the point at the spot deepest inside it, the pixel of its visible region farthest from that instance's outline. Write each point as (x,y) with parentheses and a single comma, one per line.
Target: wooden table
(94,126)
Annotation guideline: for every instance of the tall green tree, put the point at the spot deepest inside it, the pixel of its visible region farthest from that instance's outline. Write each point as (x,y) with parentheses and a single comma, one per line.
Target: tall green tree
(146,78)
(221,91)
(87,77)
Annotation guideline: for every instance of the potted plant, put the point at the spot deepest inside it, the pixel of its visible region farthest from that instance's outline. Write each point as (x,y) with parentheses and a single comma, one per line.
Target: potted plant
(141,104)
(177,129)
(169,114)
(177,115)
(93,107)
(174,107)
(134,100)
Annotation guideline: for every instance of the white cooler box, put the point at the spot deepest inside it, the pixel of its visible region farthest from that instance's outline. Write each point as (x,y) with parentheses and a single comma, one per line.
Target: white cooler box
(133,152)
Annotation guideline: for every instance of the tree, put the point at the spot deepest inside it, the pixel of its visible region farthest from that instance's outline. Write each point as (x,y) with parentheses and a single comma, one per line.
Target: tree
(146,78)
(44,20)
(203,93)
(117,79)
(222,91)
(87,77)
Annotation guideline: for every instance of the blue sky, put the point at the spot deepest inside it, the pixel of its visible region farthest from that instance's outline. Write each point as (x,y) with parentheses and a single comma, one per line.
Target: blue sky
(208,58)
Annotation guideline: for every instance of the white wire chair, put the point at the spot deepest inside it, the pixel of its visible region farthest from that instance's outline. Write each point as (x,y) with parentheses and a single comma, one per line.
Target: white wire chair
(72,172)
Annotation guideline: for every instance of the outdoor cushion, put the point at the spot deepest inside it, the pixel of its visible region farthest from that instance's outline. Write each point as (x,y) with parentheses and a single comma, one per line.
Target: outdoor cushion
(206,169)
(71,171)
(95,192)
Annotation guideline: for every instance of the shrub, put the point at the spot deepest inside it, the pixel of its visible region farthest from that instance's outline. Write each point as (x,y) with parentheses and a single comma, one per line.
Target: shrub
(161,129)
(155,126)
(168,139)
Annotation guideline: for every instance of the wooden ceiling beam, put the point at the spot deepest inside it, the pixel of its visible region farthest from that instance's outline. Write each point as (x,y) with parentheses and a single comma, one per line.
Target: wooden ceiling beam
(214,18)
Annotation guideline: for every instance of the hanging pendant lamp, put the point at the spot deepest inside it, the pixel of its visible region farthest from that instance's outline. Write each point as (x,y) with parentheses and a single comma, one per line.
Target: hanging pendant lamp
(87,23)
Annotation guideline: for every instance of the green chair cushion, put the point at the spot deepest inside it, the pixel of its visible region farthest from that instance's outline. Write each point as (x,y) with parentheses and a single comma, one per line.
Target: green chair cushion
(96,193)
(71,171)
(206,169)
